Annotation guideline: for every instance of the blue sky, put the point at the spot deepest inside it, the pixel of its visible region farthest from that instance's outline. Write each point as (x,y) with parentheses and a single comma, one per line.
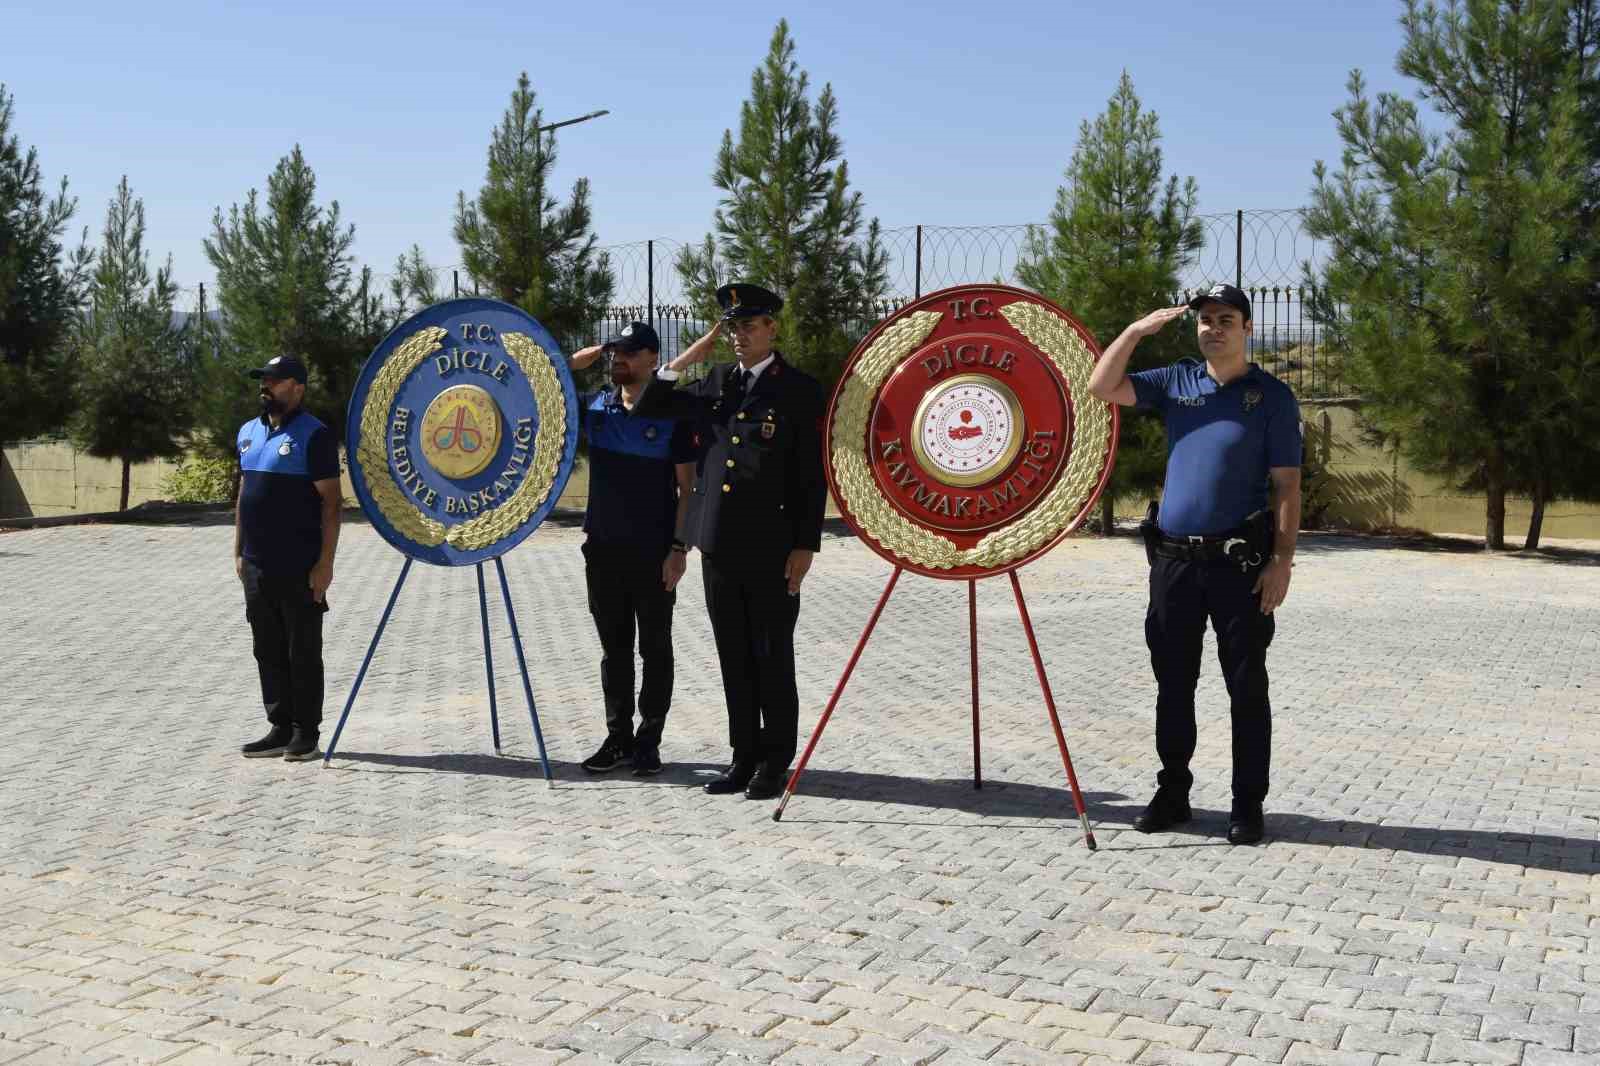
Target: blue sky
(952,113)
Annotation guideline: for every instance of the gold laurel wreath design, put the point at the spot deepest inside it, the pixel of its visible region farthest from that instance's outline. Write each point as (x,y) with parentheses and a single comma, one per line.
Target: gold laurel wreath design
(1091,441)
(486,529)
(551,403)
(387,493)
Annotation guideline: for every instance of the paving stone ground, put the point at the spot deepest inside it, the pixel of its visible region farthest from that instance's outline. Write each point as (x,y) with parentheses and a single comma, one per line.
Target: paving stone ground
(1428,894)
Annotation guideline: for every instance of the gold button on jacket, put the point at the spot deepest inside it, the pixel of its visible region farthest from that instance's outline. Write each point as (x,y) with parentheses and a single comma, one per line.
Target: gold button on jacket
(778,472)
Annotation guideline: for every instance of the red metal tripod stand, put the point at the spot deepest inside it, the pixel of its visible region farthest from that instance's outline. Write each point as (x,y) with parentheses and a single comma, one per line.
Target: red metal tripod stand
(972,621)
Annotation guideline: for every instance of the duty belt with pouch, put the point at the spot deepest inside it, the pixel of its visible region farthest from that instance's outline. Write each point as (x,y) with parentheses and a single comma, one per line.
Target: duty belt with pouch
(1248,547)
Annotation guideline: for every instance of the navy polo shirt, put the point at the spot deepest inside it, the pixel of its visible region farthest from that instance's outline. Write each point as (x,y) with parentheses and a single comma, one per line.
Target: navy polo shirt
(1221,442)
(280,510)
(633,496)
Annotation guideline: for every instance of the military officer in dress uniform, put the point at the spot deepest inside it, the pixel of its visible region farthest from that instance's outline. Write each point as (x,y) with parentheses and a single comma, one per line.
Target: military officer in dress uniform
(755,513)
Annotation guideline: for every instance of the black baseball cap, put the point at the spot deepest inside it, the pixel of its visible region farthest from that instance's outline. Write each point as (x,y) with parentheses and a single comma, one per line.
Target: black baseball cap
(743,300)
(635,337)
(281,367)
(1223,294)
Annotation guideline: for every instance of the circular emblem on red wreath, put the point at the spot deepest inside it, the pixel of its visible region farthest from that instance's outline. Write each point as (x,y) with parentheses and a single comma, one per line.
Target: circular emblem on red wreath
(962,440)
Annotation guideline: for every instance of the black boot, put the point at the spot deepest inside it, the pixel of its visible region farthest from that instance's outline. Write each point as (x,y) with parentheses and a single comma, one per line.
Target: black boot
(731,780)
(302,747)
(767,784)
(1247,825)
(1166,810)
(274,744)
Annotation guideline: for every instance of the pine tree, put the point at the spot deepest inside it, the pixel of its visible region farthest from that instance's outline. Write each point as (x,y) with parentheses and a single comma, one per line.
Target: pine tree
(286,283)
(134,379)
(1463,275)
(414,283)
(788,219)
(1118,237)
(519,243)
(39,293)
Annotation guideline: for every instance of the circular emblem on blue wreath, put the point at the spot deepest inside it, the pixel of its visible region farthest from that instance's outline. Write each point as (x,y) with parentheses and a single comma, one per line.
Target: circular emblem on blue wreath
(462,431)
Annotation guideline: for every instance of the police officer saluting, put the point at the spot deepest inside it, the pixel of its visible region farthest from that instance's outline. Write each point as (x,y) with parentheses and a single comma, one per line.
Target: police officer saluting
(639,476)
(1219,547)
(755,512)
(286,527)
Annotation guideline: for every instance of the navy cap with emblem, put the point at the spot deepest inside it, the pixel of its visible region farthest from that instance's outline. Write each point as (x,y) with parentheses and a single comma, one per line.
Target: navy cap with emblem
(282,367)
(635,337)
(1223,294)
(743,300)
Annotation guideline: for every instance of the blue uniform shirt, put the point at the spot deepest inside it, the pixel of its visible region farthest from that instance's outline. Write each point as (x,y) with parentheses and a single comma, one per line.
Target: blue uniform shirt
(280,510)
(633,497)
(1221,442)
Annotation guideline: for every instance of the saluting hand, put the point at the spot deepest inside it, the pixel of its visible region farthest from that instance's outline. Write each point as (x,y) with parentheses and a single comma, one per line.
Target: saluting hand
(585,356)
(796,567)
(1156,321)
(672,569)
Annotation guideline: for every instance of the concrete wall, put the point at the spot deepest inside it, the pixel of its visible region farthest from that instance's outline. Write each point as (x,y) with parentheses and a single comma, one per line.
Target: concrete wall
(42,478)
(1363,488)
(1368,488)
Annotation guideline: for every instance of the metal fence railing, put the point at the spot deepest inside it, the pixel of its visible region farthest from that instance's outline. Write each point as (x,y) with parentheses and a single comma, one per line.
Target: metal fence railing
(1263,252)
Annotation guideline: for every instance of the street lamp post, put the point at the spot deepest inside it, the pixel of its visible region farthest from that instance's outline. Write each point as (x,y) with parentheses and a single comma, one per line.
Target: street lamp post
(572,121)
(538,148)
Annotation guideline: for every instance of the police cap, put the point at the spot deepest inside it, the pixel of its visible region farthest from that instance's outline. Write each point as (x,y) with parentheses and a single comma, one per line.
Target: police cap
(1223,294)
(743,300)
(282,368)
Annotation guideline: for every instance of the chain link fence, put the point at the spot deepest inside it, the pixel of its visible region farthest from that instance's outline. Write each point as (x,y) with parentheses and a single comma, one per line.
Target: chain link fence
(1264,252)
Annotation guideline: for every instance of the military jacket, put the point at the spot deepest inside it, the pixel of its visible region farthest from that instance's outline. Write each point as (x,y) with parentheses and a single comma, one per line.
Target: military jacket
(759,488)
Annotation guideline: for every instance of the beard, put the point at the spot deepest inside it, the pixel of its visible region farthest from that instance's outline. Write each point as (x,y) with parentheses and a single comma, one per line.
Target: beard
(270,404)
(622,374)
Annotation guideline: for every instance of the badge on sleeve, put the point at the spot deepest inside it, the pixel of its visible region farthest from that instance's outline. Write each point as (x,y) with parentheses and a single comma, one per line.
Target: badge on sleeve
(286,447)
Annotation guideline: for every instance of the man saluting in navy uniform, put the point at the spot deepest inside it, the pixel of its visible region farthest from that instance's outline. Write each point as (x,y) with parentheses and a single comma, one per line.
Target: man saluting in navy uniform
(639,477)
(755,512)
(1222,544)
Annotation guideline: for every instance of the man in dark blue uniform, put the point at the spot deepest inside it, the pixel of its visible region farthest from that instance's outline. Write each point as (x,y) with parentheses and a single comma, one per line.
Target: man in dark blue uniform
(755,512)
(286,527)
(1219,547)
(640,472)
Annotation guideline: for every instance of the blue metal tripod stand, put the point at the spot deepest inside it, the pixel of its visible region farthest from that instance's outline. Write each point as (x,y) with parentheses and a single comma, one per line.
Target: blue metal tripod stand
(488,662)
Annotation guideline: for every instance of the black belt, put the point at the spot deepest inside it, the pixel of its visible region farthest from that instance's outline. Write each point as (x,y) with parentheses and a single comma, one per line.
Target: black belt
(1235,550)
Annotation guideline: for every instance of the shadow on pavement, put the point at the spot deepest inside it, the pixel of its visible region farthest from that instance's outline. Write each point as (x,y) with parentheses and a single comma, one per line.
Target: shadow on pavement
(1009,799)
(519,766)
(1579,855)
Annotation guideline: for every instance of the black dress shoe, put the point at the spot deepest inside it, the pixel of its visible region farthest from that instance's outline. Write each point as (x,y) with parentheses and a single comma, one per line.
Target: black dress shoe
(731,780)
(1164,812)
(765,786)
(1247,827)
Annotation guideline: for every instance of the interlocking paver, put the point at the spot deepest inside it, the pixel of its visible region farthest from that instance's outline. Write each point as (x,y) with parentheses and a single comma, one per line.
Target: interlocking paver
(1427,895)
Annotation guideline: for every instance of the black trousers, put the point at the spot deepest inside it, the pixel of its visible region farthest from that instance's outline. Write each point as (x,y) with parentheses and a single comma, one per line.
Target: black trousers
(1183,595)
(625,593)
(753,618)
(286,630)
